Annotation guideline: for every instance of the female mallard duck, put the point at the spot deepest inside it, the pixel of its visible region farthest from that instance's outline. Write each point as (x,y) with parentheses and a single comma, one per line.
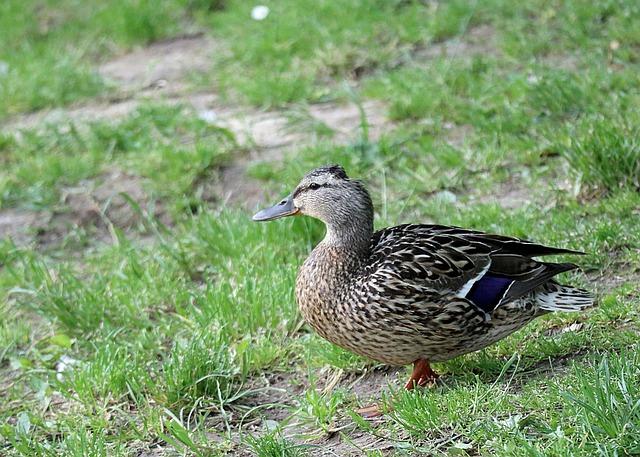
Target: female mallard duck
(415,293)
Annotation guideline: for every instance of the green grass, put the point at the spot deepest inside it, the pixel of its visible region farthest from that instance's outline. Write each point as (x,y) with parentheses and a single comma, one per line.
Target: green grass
(171,145)
(606,404)
(168,341)
(49,46)
(272,63)
(605,153)
(273,445)
(593,404)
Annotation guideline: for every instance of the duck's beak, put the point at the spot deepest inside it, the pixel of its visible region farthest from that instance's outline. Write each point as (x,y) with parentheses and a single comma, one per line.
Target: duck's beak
(282,209)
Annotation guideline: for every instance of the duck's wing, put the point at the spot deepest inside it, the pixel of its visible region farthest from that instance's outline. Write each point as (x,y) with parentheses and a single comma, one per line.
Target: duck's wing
(416,256)
(504,244)
(482,268)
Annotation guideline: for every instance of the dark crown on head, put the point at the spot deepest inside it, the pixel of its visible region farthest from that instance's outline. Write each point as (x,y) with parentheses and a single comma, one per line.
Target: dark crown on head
(336,170)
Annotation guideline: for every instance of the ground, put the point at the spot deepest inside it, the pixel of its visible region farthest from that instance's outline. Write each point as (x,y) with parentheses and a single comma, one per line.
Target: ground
(142,313)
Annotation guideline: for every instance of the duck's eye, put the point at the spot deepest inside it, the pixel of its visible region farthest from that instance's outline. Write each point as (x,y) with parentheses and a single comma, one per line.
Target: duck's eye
(314,186)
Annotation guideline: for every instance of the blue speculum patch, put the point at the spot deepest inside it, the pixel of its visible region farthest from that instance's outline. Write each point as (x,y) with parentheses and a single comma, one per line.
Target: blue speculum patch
(487,292)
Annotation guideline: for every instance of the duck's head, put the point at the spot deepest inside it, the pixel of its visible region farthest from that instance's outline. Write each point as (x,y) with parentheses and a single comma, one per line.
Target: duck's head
(328,194)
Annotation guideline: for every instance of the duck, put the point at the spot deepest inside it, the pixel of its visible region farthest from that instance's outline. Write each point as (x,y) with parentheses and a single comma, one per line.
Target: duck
(415,293)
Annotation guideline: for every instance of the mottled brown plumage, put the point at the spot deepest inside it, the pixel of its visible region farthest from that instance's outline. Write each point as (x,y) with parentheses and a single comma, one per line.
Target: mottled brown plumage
(415,293)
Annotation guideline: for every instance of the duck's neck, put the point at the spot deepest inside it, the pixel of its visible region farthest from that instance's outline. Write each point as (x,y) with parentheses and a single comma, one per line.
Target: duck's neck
(353,236)
(326,275)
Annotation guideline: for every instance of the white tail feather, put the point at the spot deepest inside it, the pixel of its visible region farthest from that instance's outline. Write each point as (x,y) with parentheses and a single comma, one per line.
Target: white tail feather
(556,297)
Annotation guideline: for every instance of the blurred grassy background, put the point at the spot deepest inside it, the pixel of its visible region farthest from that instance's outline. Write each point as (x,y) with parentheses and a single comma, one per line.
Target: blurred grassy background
(162,321)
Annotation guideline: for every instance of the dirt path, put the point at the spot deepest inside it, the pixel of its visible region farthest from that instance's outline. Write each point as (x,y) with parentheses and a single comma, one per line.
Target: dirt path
(162,72)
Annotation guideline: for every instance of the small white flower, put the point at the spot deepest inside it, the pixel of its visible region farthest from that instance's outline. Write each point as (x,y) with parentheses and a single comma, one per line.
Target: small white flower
(270,425)
(4,68)
(64,364)
(510,422)
(259,12)
(558,433)
(208,115)
(533,79)
(447,196)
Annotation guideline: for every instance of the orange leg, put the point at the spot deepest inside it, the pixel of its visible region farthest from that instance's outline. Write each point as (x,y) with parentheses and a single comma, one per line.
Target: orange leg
(422,375)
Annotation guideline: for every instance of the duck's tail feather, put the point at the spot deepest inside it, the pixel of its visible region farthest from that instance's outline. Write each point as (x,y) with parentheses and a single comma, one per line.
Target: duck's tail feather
(556,297)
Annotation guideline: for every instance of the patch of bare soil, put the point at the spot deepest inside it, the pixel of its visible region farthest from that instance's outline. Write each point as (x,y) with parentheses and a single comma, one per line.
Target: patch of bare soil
(352,443)
(94,111)
(346,120)
(162,65)
(606,281)
(20,225)
(101,110)
(95,206)
(278,392)
(9,377)
(369,386)
(274,397)
(477,41)
(519,191)
(510,195)
(270,137)
(266,130)
(513,194)
(101,203)
(559,61)
(160,71)
(235,187)
(277,396)
(456,135)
